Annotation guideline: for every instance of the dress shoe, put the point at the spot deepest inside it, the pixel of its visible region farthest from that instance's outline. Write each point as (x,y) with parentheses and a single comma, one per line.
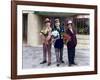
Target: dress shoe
(62,61)
(43,62)
(70,65)
(58,65)
(74,64)
(49,64)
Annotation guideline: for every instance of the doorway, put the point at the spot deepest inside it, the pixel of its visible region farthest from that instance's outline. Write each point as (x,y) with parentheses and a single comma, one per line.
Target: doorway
(25,24)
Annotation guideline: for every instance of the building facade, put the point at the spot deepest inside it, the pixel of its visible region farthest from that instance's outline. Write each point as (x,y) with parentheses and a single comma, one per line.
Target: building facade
(33,22)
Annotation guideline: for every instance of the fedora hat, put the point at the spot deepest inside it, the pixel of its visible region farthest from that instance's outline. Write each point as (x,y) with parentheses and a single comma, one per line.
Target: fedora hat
(47,20)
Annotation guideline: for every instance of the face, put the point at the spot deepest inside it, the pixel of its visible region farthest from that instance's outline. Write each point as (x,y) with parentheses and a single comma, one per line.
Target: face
(48,24)
(69,25)
(57,24)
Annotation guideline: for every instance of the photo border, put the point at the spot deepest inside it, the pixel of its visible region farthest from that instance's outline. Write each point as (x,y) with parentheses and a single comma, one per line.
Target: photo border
(14,39)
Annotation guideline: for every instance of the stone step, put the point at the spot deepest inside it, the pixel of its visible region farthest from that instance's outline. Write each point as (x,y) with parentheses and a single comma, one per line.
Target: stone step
(80,45)
(84,42)
(83,39)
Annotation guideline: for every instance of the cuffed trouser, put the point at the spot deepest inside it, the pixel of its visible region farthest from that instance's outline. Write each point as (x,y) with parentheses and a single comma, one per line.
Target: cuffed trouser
(47,52)
(71,55)
(59,54)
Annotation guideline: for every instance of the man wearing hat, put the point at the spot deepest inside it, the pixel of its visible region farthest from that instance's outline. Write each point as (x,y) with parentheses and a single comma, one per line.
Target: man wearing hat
(58,44)
(46,40)
(71,44)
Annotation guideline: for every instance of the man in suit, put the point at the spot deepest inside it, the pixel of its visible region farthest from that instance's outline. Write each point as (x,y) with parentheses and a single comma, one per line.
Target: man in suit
(71,43)
(46,40)
(59,42)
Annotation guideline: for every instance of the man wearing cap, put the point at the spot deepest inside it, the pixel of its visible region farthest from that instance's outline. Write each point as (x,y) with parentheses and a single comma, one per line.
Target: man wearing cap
(71,44)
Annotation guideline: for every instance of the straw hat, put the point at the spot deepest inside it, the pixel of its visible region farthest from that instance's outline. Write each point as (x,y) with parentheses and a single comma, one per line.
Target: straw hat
(70,21)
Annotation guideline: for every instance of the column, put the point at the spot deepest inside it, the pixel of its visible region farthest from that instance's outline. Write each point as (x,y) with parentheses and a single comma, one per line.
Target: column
(34,26)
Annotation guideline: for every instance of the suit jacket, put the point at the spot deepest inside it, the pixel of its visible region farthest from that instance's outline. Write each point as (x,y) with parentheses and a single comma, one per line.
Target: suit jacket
(73,42)
(59,42)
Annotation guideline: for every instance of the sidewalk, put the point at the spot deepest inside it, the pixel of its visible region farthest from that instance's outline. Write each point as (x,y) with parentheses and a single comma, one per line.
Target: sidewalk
(32,56)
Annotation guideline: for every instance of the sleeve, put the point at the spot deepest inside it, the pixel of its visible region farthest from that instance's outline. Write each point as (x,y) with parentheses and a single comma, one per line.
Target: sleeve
(49,34)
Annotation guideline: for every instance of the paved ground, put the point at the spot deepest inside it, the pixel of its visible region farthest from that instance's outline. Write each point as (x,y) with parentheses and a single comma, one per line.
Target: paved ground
(32,56)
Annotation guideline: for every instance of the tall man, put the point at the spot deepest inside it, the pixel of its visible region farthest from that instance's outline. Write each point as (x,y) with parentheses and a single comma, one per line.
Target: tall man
(71,43)
(59,42)
(46,40)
